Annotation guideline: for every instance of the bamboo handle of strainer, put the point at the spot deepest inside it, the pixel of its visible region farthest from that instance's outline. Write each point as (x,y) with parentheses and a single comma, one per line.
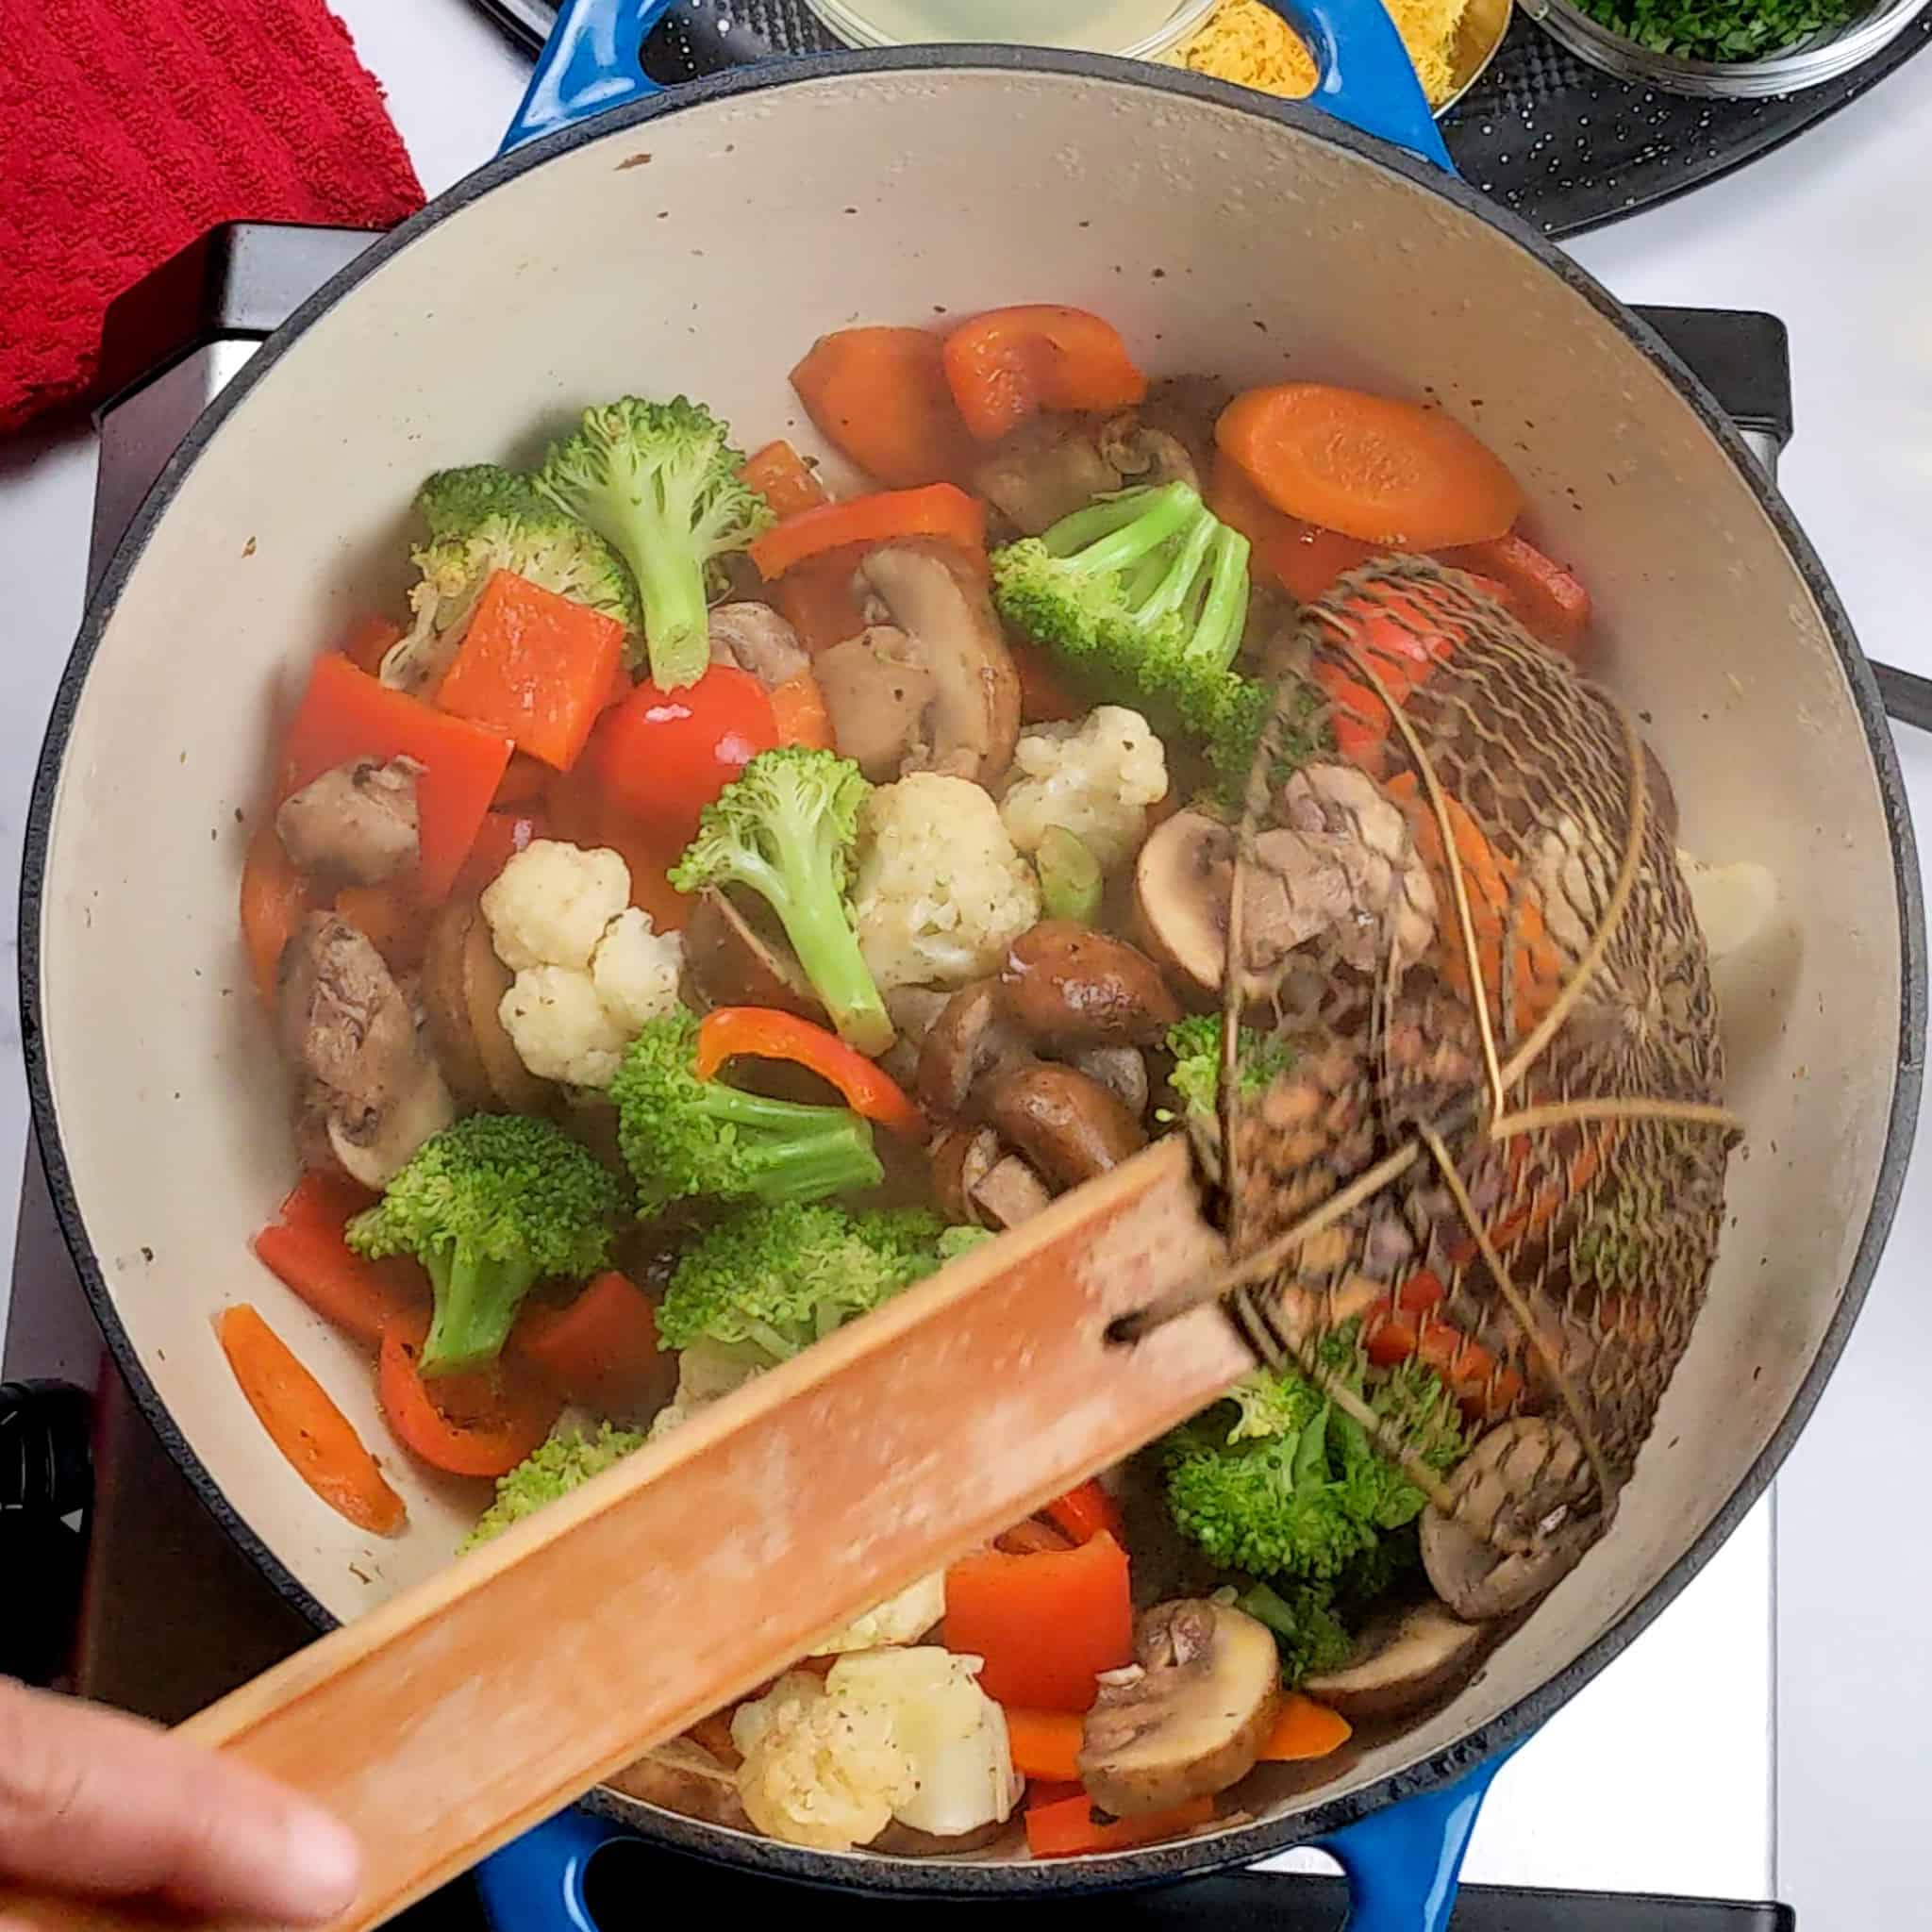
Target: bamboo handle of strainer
(472,1707)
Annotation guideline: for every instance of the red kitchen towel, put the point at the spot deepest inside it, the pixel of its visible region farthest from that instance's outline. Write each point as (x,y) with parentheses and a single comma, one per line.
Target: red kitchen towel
(129,127)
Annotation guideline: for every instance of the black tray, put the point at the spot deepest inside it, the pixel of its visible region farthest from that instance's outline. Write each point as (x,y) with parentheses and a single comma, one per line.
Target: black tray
(1564,147)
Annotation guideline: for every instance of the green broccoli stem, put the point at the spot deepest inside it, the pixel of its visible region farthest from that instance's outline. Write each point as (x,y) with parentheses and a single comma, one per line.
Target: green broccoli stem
(797,1152)
(805,891)
(1217,638)
(671,581)
(1109,536)
(478,1301)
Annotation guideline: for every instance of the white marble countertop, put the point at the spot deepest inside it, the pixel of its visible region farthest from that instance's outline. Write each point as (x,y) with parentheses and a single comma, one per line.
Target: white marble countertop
(1662,1775)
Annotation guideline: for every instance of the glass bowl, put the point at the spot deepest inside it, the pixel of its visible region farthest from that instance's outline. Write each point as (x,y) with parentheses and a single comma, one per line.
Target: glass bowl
(1818,58)
(1136,28)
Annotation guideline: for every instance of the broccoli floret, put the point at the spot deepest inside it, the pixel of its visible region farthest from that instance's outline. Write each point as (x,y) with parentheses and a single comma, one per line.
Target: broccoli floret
(1307,1633)
(554,1469)
(660,481)
(491,1207)
(683,1136)
(772,1281)
(1195,1043)
(785,828)
(1279,1483)
(1145,594)
(484,519)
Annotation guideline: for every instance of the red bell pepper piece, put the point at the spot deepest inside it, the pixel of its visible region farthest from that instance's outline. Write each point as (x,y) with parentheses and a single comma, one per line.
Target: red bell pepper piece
(1047,1625)
(939,512)
(601,1348)
(765,1033)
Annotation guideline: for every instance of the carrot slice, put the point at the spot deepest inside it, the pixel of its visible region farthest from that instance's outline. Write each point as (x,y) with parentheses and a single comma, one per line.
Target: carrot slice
(783,478)
(347,714)
(1305,1729)
(1383,471)
(600,1349)
(1069,1829)
(369,640)
(306,1425)
(798,710)
(1047,1625)
(1547,600)
(304,1248)
(1046,1743)
(534,666)
(1304,558)
(1086,1513)
(276,899)
(1011,363)
(940,510)
(881,398)
(480,1424)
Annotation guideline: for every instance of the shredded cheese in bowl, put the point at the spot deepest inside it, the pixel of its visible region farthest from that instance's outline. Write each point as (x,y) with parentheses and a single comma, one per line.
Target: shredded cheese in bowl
(1251,44)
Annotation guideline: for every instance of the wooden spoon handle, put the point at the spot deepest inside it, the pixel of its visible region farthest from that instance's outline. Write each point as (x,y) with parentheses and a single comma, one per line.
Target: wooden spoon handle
(464,1710)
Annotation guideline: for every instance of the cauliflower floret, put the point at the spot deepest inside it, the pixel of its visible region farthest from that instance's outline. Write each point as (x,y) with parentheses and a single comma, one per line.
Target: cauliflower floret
(902,1619)
(1095,778)
(560,1027)
(590,970)
(549,905)
(905,1734)
(819,1769)
(954,1733)
(705,1372)
(635,969)
(941,892)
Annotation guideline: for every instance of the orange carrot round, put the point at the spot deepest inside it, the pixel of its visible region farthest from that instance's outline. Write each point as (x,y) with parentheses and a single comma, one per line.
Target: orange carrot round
(1383,471)
(783,478)
(880,396)
(1011,363)
(1302,558)
(1305,1729)
(306,1425)
(798,710)
(1046,1743)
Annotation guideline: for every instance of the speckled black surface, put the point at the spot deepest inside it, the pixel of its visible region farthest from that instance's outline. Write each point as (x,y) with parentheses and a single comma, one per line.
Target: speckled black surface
(1558,142)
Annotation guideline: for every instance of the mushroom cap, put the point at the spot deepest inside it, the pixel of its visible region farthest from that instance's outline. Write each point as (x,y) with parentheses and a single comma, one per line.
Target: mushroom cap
(1068,1126)
(1065,983)
(1192,1719)
(1182,885)
(1400,1663)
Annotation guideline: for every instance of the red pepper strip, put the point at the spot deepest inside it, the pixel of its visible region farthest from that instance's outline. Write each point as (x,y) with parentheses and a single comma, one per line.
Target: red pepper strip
(306,1250)
(1086,1513)
(601,1349)
(480,1424)
(767,1034)
(938,510)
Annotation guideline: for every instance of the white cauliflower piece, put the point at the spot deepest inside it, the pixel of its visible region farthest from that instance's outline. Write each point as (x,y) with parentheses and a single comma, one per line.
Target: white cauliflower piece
(891,1733)
(952,1731)
(635,969)
(560,1027)
(549,905)
(705,1372)
(902,1619)
(820,1770)
(941,890)
(589,969)
(1094,778)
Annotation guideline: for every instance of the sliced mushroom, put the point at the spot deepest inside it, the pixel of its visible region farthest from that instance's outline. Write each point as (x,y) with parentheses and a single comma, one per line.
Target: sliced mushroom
(1068,1127)
(358,822)
(1010,1193)
(1192,1719)
(905,1841)
(971,1036)
(1044,470)
(734,957)
(1529,1482)
(464,985)
(683,1776)
(755,638)
(1183,883)
(1146,456)
(349,1031)
(943,608)
(1122,1070)
(878,692)
(1066,984)
(960,1158)
(1399,1663)
(913,1010)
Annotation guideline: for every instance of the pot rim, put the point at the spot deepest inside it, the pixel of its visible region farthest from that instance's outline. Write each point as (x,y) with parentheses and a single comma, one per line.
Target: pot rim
(1240,1845)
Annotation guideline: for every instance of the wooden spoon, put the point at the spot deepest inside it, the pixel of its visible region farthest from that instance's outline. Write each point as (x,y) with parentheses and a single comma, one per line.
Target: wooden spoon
(464,1710)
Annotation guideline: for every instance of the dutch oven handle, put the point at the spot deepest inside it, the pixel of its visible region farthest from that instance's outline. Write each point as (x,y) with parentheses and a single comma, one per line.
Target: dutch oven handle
(592,63)
(1401,1861)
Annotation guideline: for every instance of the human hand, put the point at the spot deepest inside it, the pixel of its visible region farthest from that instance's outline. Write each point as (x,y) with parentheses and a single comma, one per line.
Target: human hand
(98,1805)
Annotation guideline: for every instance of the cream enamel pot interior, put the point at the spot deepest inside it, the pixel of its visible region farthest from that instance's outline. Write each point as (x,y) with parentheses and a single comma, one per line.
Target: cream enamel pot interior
(700,244)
